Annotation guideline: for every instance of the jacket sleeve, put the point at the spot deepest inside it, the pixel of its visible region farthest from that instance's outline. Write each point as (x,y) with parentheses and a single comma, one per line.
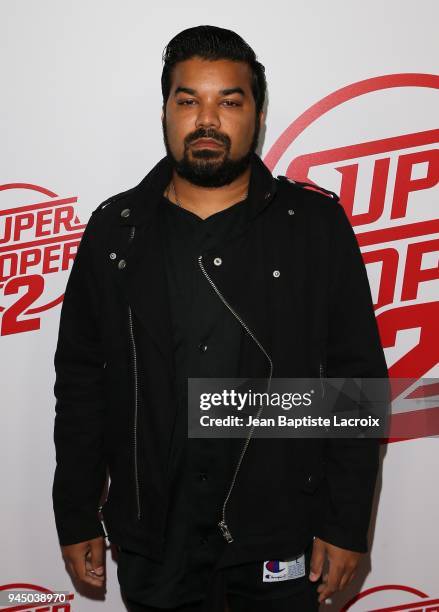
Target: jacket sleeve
(353,350)
(80,472)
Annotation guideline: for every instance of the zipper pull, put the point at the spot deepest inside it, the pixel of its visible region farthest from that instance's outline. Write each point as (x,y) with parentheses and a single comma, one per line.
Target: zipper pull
(101,518)
(225,531)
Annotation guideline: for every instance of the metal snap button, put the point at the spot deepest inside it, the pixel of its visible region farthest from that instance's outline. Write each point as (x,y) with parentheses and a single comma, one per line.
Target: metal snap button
(276,273)
(217,261)
(113,255)
(122,264)
(202,347)
(267,195)
(125,213)
(291,211)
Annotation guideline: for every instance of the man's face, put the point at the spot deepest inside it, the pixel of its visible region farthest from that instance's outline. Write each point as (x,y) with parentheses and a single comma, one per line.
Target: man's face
(210,126)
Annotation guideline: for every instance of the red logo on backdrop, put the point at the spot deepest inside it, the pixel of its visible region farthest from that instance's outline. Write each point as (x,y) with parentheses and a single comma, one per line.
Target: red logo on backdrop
(39,236)
(25,597)
(421,603)
(376,180)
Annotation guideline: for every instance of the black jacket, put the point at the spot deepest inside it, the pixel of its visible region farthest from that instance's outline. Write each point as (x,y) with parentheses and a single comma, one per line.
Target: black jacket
(115,379)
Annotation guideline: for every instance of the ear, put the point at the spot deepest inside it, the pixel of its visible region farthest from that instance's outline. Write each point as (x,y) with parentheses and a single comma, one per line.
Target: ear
(261,118)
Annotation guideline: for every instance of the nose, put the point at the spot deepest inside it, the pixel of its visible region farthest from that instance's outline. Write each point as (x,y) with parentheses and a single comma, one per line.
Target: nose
(208,116)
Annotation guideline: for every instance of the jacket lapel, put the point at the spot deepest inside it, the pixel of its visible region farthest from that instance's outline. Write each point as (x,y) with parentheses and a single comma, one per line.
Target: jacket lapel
(143,280)
(146,288)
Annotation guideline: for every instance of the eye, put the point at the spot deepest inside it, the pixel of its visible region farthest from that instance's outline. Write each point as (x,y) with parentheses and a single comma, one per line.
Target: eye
(186,102)
(231,103)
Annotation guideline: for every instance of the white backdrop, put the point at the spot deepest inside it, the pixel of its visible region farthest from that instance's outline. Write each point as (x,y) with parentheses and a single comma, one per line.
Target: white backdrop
(80,120)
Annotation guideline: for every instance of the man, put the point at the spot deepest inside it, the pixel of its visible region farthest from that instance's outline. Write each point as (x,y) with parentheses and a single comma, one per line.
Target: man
(210,267)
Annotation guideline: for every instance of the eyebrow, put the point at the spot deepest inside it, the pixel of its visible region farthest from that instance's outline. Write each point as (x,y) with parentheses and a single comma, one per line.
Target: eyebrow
(232,90)
(223,92)
(187,90)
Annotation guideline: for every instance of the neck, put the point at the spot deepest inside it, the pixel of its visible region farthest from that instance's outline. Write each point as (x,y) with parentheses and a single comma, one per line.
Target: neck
(205,201)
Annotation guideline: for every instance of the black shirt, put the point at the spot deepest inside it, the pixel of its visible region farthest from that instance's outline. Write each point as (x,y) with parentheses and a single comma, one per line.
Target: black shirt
(207,341)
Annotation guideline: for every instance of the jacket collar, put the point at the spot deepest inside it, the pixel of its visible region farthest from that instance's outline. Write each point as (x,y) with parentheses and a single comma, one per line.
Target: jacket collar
(145,197)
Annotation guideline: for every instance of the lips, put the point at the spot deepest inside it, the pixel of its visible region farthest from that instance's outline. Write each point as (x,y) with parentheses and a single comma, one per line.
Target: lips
(207,142)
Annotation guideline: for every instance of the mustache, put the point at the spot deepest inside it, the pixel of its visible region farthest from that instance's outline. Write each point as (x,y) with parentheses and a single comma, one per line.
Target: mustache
(207,133)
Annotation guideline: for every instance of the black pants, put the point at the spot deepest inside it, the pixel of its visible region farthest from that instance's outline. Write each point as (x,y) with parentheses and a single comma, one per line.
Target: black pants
(304,600)
(307,601)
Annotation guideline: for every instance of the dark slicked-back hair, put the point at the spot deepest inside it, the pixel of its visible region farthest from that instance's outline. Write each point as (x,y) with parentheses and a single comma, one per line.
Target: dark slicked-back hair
(212,43)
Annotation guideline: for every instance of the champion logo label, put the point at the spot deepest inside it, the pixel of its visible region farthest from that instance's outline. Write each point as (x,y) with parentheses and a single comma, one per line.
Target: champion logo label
(277,571)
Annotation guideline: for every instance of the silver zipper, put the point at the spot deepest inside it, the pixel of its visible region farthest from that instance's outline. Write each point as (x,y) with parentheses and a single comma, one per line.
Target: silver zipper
(136,397)
(136,402)
(102,520)
(222,524)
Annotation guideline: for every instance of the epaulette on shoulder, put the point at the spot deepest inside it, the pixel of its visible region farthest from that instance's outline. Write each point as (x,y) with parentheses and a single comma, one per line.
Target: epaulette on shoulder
(112,199)
(311,187)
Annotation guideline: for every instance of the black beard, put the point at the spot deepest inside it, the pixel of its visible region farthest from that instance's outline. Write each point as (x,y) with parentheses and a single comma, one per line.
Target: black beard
(204,170)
